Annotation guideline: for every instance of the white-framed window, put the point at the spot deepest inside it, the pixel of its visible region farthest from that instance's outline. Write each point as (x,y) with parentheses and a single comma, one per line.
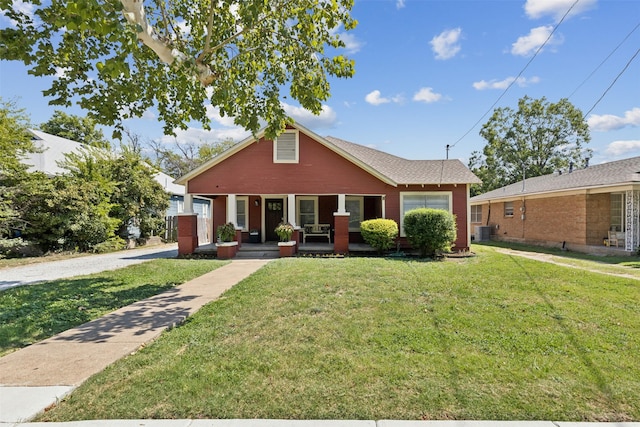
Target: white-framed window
(508,209)
(617,212)
(416,200)
(355,206)
(286,147)
(307,210)
(242,212)
(476,213)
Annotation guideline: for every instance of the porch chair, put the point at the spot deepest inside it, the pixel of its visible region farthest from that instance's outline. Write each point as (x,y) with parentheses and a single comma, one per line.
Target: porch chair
(617,238)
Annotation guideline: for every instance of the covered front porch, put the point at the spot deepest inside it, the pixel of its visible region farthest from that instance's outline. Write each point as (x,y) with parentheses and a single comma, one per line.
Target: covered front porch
(332,221)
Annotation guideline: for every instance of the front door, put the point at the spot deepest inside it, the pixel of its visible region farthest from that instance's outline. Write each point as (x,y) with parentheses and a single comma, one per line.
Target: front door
(273,215)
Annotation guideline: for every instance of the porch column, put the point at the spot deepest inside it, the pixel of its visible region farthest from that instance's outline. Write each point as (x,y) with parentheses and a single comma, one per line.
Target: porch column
(342,208)
(187,233)
(232,209)
(188,203)
(291,209)
(341,232)
(632,220)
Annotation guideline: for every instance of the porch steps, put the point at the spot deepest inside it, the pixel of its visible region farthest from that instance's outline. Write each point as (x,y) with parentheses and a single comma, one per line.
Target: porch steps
(258,251)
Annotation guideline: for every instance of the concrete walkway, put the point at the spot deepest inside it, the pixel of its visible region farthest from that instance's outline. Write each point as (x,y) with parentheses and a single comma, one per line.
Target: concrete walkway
(36,376)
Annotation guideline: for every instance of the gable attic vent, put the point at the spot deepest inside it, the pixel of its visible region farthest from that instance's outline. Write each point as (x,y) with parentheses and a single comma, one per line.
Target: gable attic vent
(286,148)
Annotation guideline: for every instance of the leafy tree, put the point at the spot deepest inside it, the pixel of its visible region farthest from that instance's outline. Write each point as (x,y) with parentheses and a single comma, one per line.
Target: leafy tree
(75,128)
(121,58)
(430,230)
(15,144)
(186,156)
(536,139)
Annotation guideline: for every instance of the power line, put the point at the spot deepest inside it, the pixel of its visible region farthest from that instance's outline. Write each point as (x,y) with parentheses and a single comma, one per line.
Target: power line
(613,82)
(605,60)
(515,79)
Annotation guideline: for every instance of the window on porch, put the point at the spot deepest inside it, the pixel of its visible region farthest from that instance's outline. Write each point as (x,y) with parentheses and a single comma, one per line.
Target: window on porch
(242,211)
(307,210)
(355,206)
(617,212)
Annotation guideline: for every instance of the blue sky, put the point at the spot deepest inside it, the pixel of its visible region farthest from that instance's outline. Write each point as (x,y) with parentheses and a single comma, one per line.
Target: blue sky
(427,71)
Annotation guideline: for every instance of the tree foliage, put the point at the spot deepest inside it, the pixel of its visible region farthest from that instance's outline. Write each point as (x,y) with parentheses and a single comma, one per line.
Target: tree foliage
(120,58)
(538,138)
(430,230)
(15,144)
(75,128)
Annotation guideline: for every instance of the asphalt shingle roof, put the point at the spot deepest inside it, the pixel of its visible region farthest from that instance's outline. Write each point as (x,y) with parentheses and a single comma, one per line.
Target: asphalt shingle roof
(606,174)
(403,171)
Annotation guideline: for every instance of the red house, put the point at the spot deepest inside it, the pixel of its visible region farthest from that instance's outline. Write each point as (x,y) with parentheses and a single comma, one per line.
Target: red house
(323,186)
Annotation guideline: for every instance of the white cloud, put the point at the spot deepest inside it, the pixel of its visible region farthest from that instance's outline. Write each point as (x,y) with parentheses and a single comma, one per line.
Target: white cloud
(529,44)
(325,119)
(351,43)
(607,122)
(556,8)
(426,94)
(503,84)
(374,98)
(61,72)
(198,136)
(445,45)
(213,113)
(618,148)
(399,4)
(22,7)
(148,115)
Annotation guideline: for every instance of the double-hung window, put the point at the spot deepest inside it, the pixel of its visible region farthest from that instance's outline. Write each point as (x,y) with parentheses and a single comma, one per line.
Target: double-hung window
(508,209)
(355,206)
(307,210)
(416,200)
(476,214)
(286,147)
(242,212)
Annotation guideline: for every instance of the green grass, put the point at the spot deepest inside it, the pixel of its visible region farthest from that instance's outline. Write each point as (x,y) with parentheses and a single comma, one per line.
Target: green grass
(32,313)
(489,337)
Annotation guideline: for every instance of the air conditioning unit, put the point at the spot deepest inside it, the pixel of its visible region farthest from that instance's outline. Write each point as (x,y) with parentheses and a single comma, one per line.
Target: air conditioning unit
(483,233)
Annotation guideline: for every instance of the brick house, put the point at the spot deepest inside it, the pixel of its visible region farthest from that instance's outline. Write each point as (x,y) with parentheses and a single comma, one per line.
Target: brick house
(306,179)
(584,210)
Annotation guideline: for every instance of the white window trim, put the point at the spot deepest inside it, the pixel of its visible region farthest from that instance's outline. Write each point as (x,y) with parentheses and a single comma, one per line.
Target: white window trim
(244,199)
(315,209)
(421,193)
(359,199)
(297,148)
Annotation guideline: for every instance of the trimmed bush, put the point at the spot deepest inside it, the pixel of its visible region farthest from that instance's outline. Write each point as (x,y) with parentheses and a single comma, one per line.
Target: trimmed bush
(430,230)
(379,233)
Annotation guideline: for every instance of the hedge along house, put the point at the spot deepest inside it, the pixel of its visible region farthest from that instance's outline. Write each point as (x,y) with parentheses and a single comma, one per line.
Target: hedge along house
(588,210)
(307,180)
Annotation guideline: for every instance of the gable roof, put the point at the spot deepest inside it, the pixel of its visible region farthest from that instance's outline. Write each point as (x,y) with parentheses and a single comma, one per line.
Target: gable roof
(54,148)
(621,172)
(388,168)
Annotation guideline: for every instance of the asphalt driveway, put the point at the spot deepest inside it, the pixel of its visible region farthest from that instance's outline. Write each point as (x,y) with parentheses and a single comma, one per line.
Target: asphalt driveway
(53,270)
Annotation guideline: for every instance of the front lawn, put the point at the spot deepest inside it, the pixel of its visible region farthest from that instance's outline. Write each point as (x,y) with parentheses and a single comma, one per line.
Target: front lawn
(34,312)
(490,337)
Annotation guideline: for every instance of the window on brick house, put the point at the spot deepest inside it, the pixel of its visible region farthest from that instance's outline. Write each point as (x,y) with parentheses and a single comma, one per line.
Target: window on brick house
(617,212)
(476,214)
(508,209)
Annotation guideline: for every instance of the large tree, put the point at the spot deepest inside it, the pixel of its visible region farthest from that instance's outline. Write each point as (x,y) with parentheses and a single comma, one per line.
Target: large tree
(120,58)
(75,128)
(538,138)
(15,144)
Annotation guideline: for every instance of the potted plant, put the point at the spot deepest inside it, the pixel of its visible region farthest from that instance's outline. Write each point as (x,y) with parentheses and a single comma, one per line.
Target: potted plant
(227,247)
(287,246)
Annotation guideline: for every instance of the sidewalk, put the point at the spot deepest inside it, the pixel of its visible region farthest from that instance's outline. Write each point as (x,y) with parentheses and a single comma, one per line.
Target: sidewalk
(35,377)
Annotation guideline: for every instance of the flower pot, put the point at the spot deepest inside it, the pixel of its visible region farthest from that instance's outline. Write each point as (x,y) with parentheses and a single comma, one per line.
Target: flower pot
(287,249)
(227,250)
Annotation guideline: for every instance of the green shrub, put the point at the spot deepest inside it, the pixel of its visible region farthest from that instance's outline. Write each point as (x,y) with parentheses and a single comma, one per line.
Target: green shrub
(430,230)
(17,247)
(379,233)
(110,245)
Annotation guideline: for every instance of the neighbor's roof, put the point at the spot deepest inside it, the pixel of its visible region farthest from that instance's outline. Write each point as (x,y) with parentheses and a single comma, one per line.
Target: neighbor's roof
(620,172)
(389,168)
